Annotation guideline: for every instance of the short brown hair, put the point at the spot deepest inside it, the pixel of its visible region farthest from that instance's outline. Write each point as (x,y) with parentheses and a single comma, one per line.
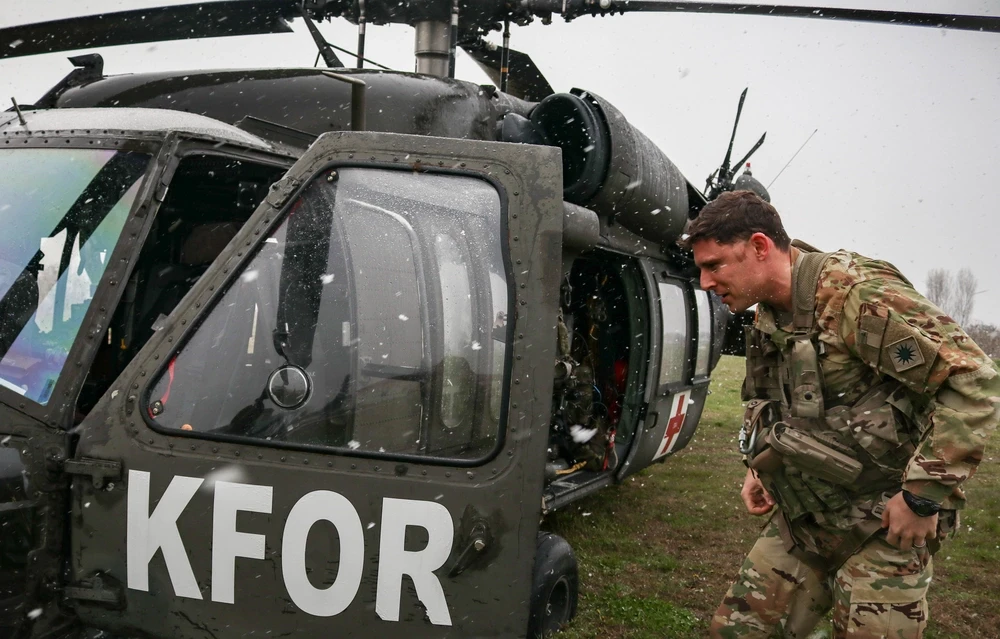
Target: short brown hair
(734,216)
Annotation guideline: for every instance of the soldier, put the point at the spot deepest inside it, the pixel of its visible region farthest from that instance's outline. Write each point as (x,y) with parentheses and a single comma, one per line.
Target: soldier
(868,407)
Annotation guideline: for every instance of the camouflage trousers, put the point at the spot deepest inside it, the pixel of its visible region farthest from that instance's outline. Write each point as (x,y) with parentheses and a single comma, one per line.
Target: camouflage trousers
(880,591)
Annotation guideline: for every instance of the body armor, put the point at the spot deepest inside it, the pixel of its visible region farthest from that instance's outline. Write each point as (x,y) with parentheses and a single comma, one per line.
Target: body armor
(828,465)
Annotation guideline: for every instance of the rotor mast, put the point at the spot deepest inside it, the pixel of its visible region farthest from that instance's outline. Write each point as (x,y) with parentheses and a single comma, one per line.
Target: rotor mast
(431,46)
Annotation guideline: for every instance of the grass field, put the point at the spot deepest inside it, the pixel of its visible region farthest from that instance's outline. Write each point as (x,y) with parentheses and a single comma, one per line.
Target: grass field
(658,552)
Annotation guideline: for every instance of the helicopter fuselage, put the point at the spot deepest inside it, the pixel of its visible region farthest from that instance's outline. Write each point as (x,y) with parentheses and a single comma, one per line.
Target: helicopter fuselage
(367,362)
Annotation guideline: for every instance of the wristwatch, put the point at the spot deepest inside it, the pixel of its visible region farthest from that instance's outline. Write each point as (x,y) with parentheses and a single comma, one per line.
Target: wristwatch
(921,506)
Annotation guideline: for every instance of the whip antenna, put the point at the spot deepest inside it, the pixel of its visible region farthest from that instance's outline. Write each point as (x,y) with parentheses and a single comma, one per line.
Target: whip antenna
(793,157)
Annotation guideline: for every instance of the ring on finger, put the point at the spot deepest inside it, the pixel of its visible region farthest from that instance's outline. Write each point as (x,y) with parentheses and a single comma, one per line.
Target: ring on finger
(922,545)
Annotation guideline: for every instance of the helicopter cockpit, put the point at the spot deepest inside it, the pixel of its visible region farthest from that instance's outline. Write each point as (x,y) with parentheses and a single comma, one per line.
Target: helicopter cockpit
(74,188)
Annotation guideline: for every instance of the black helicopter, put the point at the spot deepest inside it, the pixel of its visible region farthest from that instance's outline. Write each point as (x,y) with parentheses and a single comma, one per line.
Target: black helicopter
(307,350)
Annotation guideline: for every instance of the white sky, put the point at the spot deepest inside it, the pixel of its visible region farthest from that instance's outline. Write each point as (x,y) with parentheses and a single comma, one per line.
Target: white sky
(901,167)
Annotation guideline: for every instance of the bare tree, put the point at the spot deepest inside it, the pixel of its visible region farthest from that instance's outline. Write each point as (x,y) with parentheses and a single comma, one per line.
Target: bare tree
(939,287)
(987,337)
(963,298)
(955,295)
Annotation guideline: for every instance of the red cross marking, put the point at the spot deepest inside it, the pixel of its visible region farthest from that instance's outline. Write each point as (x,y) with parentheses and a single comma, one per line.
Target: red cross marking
(674,424)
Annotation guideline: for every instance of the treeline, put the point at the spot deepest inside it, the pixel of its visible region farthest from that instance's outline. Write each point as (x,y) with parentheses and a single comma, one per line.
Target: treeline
(987,336)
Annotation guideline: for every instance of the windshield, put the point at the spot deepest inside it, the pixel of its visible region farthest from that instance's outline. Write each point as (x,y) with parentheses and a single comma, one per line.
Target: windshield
(61,211)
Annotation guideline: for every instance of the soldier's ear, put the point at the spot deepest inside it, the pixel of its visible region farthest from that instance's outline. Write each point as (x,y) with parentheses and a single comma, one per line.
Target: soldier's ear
(761,245)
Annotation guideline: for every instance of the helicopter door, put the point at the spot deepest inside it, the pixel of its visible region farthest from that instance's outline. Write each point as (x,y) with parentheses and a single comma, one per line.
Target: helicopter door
(678,377)
(337,430)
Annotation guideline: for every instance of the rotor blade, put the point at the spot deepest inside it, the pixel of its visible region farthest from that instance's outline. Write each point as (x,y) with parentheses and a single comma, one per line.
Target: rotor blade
(179,22)
(573,8)
(524,81)
(724,170)
(751,152)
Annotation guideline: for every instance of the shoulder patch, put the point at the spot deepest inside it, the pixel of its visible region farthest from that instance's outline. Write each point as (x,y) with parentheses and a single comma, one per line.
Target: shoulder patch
(905,354)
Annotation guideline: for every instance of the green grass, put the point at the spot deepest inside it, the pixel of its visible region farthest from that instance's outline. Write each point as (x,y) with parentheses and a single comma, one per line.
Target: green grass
(658,551)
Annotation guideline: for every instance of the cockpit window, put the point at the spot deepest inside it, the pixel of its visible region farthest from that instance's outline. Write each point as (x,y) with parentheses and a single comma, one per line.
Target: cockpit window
(61,211)
(373,319)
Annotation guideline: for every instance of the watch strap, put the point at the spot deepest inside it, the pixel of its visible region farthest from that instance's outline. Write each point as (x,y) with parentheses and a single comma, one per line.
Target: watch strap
(921,506)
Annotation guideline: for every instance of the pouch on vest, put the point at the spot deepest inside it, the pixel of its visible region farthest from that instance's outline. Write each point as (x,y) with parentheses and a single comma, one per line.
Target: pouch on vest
(813,456)
(882,430)
(762,362)
(799,494)
(760,414)
(807,386)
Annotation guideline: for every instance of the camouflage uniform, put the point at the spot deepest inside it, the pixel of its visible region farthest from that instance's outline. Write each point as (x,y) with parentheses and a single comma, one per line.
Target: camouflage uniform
(907,394)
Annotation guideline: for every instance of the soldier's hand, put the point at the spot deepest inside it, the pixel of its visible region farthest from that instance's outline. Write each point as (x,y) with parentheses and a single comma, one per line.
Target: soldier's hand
(755,497)
(906,529)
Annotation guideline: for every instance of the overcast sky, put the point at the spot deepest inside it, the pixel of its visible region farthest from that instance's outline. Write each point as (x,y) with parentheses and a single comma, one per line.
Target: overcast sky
(902,167)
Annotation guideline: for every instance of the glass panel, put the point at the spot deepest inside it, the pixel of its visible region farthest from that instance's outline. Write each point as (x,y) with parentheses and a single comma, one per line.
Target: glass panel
(674,309)
(457,382)
(62,211)
(704,332)
(498,344)
(360,324)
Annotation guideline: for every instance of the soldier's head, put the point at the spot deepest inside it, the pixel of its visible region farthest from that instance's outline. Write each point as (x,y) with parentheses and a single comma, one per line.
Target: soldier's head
(742,250)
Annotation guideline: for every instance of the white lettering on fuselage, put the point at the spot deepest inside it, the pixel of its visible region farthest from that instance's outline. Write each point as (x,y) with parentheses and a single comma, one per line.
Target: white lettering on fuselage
(147,533)
(229,543)
(395,561)
(334,508)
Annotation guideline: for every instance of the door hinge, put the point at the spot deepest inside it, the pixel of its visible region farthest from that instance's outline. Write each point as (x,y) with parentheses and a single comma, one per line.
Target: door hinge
(99,589)
(100,471)
(281,190)
(161,192)
(647,419)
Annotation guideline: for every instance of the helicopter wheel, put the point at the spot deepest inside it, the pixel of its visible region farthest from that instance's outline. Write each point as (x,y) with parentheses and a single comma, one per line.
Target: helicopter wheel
(554,586)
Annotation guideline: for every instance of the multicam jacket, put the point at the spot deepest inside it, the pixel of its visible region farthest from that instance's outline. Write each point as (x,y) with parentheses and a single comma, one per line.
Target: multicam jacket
(905,390)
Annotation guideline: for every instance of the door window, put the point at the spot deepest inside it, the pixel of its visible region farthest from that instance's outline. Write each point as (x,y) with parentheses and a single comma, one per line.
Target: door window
(673,305)
(704,333)
(367,321)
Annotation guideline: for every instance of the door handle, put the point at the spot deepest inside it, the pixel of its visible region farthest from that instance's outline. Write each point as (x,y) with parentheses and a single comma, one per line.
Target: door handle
(478,542)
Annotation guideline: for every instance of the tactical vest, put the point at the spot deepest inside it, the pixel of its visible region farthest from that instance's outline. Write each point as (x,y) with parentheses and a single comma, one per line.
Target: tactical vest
(837,464)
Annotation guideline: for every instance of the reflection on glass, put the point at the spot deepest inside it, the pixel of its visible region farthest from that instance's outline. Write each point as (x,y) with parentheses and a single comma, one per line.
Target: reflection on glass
(62,211)
(674,310)
(704,332)
(457,385)
(384,287)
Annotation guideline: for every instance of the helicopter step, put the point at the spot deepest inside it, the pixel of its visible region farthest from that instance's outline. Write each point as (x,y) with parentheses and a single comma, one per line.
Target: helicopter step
(566,490)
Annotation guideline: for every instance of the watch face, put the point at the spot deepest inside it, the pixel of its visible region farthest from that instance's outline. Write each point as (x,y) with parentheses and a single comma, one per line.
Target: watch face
(919,505)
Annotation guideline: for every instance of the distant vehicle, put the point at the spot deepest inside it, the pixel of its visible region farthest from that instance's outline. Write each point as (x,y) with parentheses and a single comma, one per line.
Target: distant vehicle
(296,351)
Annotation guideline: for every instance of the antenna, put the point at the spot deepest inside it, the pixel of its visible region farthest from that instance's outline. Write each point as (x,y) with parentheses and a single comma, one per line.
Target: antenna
(793,157)
(20,116)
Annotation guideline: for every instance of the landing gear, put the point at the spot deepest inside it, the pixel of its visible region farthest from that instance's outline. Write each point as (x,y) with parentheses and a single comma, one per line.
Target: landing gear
(554,586)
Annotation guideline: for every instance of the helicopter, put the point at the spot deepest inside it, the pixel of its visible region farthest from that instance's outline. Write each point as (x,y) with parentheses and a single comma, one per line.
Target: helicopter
(373,324)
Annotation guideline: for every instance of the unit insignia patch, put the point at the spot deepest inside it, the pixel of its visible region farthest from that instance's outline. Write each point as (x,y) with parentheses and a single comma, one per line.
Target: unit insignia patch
(905,354)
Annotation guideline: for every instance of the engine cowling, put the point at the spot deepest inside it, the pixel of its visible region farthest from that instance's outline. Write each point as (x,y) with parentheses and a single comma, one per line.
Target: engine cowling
(610,167)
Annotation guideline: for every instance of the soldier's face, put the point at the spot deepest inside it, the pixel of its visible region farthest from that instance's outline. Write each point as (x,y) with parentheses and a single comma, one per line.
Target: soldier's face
(727,272)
